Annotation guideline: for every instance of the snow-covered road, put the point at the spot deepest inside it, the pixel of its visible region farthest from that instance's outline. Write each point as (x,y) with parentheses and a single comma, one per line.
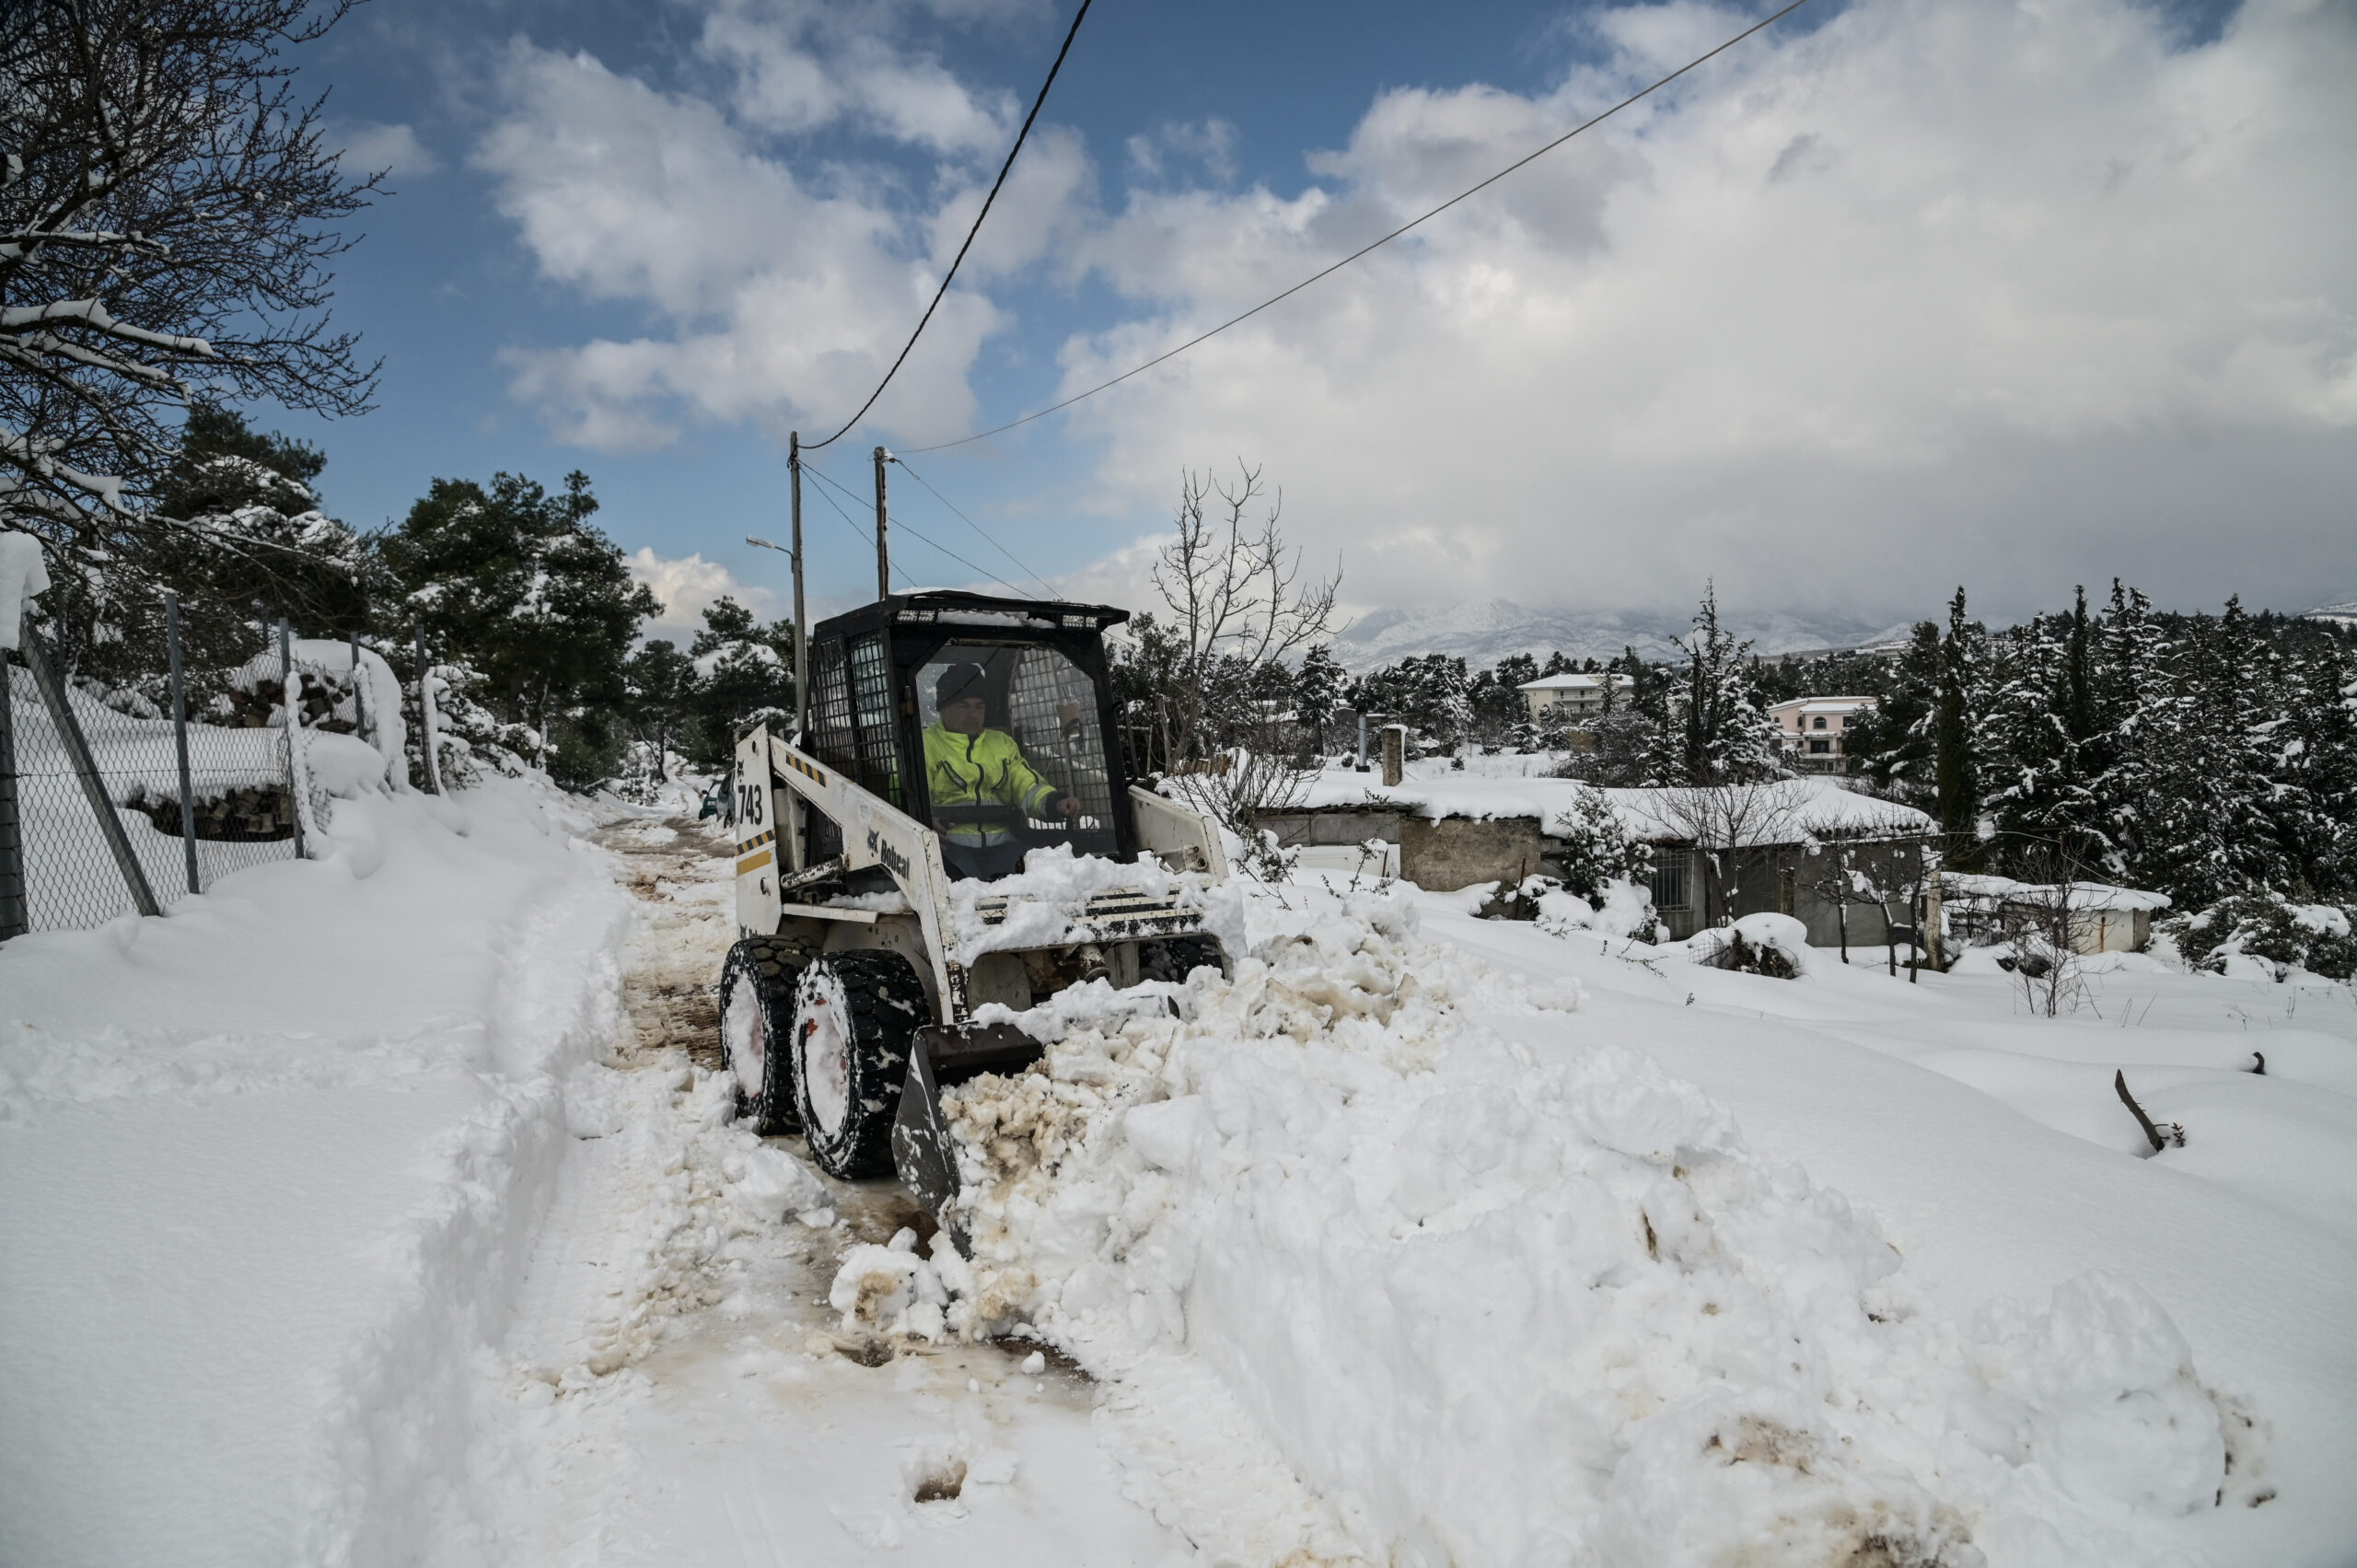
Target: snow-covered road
(681,1388)
(386,1209)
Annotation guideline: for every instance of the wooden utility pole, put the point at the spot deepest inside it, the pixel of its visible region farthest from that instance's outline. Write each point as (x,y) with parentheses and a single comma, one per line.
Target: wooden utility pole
(801,622)
(883,554)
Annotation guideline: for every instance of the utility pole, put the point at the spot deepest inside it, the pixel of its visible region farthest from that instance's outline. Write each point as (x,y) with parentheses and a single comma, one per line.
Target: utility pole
(883,554)
(801,622)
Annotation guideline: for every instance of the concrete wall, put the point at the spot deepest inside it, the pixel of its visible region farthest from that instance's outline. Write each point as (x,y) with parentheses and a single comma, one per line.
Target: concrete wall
(1304,828)
(1753,882)
(1457,852)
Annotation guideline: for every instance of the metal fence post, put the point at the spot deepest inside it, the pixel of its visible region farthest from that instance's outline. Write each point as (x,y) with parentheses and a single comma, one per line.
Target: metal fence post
(286,707)
(359,703)
(14,917)
(425,715)
(179,735)
(69,731)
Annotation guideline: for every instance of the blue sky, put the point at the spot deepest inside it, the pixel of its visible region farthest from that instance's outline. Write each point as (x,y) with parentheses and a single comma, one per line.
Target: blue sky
(1904,294)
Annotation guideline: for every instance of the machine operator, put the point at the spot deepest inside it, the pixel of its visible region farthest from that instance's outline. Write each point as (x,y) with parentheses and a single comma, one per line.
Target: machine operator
(980,783)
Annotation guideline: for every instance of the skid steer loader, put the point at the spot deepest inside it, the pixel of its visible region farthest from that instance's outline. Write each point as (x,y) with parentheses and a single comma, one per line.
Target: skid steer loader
(948,734)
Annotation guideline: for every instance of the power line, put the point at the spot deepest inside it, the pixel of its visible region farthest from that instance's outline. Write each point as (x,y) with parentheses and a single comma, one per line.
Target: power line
(866,538)
(1373,245)
(1020,136)
(902,525)
(987,539)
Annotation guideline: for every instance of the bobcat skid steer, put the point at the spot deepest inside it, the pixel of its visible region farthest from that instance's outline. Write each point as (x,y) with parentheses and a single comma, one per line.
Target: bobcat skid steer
(948,734)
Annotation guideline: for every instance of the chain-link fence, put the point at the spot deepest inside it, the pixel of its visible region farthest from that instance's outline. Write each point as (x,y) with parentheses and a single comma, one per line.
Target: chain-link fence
(165,776)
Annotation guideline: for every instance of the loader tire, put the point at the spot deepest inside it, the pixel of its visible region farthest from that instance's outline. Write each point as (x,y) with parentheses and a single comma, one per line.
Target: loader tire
(757,986)
(854,1015)
(1173,958)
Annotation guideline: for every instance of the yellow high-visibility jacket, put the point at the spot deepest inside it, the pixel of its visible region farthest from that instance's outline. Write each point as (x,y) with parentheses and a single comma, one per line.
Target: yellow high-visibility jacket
(977,770)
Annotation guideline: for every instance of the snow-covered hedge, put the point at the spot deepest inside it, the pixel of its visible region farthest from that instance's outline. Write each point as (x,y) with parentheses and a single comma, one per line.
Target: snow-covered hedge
(2270,930)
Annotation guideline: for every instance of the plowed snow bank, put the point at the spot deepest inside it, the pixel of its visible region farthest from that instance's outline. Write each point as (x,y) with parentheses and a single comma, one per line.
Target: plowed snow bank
(1498,1311)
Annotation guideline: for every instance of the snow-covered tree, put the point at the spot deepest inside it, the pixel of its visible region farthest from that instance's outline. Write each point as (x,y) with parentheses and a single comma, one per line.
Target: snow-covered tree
(1713,729)
(516,584)
(744,675)
(165,198)
(1954,793)
(1319,687)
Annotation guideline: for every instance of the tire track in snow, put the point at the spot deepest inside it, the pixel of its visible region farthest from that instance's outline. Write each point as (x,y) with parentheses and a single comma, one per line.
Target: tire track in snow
(681,1391)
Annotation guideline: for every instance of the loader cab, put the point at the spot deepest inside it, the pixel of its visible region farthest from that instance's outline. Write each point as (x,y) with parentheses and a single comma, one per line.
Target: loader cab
(1022,754)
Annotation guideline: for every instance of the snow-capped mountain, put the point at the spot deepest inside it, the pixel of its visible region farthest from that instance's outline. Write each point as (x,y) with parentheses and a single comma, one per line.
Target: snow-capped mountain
(1483,633)
(2342,611)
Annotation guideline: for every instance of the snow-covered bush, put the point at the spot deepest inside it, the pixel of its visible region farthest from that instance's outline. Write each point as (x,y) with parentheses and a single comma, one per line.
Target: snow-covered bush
(1773,944)
(467,735)
(2271,929)
(1620,907)
(1595,850)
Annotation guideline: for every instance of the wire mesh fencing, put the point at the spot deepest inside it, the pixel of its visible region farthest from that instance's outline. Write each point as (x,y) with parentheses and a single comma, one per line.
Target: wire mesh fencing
(167,774)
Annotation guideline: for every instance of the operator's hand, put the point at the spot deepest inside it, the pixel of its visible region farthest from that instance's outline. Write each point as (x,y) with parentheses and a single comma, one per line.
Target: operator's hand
(1069,806)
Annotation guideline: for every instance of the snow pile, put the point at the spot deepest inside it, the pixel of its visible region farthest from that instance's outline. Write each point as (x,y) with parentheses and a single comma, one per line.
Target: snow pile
(379,688)
(1498,1311)
(22,576)
(1620,909)
(1039,906)
(273,1164)
(1765,943)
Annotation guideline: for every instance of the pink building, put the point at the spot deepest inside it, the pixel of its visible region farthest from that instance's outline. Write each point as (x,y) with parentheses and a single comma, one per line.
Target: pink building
(1811,729)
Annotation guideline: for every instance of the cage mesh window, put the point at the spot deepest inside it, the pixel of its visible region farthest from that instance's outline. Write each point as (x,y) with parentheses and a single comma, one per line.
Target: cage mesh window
(831,738)
(871,685)
(1051,708)
(1673,870)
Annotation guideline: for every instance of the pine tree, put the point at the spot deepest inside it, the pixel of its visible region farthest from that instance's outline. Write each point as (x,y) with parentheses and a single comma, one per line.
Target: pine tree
(1714,730)
(1319,688)
(1894,745)
(744,675)
(515,584)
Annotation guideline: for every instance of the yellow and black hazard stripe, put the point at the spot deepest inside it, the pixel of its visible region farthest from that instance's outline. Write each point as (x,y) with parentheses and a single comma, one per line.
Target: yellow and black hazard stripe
(805,768)
(753,853)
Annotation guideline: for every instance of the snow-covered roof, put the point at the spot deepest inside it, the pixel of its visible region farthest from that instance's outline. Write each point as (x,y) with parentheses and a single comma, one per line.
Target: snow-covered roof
(1575,683)
(2088,896)
(1784,812)
(1823,706)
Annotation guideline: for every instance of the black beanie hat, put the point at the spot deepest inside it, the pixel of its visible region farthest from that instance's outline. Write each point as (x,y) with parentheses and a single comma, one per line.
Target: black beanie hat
(958,680)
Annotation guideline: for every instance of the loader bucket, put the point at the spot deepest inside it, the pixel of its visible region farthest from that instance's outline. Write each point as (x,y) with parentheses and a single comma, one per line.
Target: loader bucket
(923,1154)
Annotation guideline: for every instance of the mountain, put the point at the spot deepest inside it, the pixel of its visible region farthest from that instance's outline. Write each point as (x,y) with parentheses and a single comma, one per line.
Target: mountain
(2342,611)
(1481,634)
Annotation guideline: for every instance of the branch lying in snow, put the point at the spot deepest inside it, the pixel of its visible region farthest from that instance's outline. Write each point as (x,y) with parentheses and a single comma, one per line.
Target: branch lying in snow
(2160,1141)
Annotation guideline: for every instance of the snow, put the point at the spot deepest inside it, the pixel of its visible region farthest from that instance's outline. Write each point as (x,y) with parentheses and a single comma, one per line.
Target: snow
(2091,897)
(388,1208)
(1049,896)
(1784,811)
(1514,1292)
(380,688)
(273,1161)
(22,576)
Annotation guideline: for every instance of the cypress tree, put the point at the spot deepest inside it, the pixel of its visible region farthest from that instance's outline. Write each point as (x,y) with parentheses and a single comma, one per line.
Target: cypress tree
(1953,728)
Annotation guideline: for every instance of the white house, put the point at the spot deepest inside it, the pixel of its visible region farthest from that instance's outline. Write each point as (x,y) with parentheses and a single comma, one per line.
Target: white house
(1573,699)
(1812,729)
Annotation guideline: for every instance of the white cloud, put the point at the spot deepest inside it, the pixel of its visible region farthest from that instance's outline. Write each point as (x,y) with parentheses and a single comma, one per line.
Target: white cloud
(1935,292)
(371,149)
(777,303)
(2009,295)
(798,67)
(687,583)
